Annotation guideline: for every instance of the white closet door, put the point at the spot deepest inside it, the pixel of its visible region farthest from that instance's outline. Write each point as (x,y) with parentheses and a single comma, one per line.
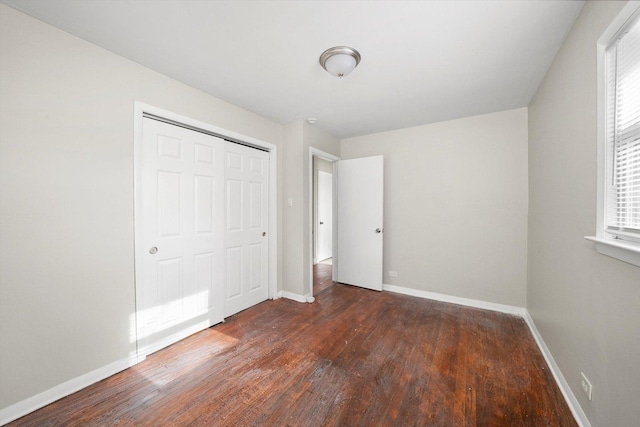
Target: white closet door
(246,227)
(179,290)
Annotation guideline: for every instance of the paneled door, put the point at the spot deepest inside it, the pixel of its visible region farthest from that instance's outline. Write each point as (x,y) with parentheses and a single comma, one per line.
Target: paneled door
(246,227)
(181,252)
(360,196)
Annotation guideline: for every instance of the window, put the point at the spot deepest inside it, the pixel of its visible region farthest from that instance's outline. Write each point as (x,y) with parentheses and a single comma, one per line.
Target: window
(622,62)
(618,210)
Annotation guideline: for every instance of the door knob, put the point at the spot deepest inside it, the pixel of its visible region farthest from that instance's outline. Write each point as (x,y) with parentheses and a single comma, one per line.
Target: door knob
(264,233)
(153,250)
(321,223)
(378,230)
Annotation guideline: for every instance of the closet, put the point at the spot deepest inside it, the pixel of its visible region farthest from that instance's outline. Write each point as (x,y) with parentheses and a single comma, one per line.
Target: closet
(203,240)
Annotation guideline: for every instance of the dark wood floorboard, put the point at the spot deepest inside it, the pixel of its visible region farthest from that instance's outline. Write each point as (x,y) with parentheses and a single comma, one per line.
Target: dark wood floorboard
(353,358)
(322,277)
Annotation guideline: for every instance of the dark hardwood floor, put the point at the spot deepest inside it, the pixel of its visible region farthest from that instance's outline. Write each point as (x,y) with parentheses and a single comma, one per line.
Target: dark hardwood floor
(321,277)
(353,358)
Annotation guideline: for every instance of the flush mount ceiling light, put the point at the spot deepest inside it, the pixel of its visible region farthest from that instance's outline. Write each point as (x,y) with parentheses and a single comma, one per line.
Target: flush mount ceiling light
(340,60)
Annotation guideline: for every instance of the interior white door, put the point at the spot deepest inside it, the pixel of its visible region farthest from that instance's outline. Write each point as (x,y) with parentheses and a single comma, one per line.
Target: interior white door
(246,227)
(180,253)
(324,226)
(360,196)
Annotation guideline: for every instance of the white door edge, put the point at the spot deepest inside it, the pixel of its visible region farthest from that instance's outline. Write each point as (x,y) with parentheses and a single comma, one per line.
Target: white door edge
(139,109)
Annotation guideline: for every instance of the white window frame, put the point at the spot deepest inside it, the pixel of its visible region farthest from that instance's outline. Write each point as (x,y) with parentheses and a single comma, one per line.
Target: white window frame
(613,245)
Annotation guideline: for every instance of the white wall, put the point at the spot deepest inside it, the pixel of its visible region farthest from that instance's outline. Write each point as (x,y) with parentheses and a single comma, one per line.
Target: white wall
(585,305)
(455,209)
(66,198)
(292,216)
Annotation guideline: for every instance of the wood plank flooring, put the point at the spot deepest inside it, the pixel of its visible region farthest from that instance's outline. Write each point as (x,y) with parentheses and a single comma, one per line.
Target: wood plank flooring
(353,358)
(322,277)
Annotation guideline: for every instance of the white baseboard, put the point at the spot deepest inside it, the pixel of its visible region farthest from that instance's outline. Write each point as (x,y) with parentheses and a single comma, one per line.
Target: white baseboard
(292,296)
(503,308)
(40,400)
(569,397)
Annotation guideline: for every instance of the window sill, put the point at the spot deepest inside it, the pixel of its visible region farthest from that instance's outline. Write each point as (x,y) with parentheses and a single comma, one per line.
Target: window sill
(619,249)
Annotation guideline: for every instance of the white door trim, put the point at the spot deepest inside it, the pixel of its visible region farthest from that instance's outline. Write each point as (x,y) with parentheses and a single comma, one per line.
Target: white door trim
(139,110)
(308,287)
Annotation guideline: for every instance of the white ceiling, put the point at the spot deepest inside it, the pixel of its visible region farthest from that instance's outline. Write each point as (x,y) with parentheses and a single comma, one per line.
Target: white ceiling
(422,61)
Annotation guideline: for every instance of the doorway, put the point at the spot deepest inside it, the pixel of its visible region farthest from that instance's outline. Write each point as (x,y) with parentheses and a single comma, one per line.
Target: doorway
(323,211)
(322,222)
(356,221)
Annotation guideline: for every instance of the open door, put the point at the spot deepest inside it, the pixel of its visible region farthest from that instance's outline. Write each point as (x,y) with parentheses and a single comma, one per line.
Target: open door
(359,213)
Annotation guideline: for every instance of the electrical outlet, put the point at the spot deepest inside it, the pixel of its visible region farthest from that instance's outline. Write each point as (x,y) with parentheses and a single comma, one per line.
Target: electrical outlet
(586,385)
(393,273)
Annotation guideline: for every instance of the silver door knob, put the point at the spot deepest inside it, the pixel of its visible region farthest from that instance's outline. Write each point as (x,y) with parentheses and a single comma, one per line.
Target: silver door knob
(378,230)
(153,250)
